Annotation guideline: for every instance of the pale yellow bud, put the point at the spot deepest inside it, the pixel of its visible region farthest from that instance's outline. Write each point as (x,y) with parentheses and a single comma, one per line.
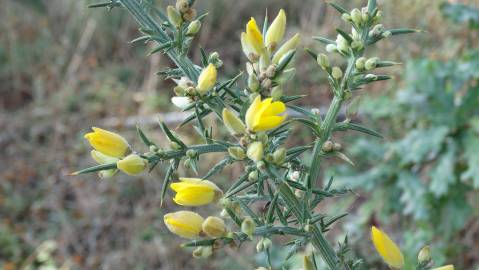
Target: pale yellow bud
(132,164)
(232,122)
(237,152)
(279,156)
(424,255)
(255,151)
(275,32)
(308,263)
(248,226)
(371,63)
(337,73)
(193,28)
(360,62)
(207,79)
(174,16)
(289,45)
(323,61)
(356,16)
(214,227)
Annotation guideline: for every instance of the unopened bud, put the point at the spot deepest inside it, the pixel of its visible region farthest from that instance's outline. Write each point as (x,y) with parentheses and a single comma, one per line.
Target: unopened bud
(337,73)
(266,84)
(214,227)
(346,17)
(424,255)
(248,226)
(323,61)
(193,28)
(253,176)
(232,122)
(237,152)
(255,151)
(365,14)
(342,44)
(386,34)
(279,156)
(360,62)
(270,71)
(356,16)
(328,146)
(191,153)
(379,16)
(357,44)
(175,146)
(308,263)
(174,16)
(189,14)
(179,91)
(182,5)
(331,48)
(203,252)
(253,83)
(371,63)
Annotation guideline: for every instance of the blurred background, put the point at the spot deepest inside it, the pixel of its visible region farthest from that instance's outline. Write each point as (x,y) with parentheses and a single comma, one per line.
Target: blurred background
(65,68)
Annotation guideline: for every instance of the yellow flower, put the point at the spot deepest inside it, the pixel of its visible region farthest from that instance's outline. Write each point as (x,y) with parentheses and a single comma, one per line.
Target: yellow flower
(289,45)
(252,41)
(234,125)
(276,30)
(264,115)
(107,142)
(186,224)
(104,159)
(388,250)
(214,227)
(446,267)
(132,164)
(207,79)
(195,192)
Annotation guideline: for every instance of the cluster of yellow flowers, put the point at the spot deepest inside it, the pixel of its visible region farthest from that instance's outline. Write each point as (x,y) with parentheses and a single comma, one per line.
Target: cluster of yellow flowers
(111,148)
(393,256)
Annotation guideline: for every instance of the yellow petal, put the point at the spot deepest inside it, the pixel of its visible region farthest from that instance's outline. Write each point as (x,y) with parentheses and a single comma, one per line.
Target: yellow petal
(207,79)
(289,45)
(268,123)
(101,158)
(388,250)
(275,32)
(195,192)
(252,112)
(186,224)
(254,36)
(107,142)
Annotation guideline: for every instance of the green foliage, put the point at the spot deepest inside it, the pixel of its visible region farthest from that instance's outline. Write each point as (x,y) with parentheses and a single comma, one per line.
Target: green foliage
(430,158)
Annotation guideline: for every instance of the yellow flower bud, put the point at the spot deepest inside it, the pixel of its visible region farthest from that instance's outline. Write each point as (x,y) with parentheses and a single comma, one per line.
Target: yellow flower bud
(371,63)
(360,63)
(232,122)
(207,79)
(356,16)
(424,255)
(254,38)
(276,30)
(248,226)
(214,227)
(388,250)
(107,142)
(174,16)
(237,152)
(289,45)
(323,61)
(446,267)
(264,115)
(193,28)
(308,263)
(203,252)
(195,192)
(279,156)
(255,151)
(337,73)
(132,164)
(186,224)
(104,159)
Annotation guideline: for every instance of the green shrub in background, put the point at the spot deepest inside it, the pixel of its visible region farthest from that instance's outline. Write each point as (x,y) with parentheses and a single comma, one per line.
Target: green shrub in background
(429,174)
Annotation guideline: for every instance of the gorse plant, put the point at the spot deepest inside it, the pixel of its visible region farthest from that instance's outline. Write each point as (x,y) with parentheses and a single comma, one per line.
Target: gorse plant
(288,184)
